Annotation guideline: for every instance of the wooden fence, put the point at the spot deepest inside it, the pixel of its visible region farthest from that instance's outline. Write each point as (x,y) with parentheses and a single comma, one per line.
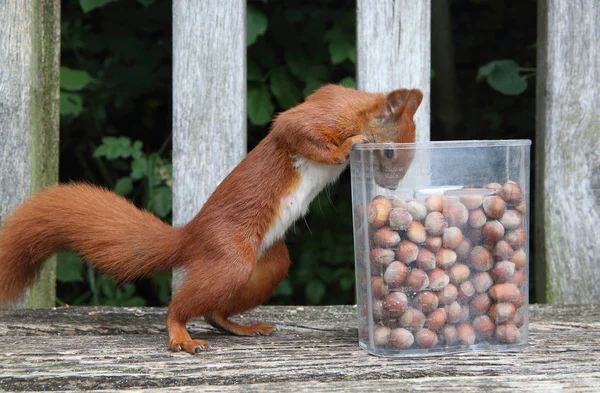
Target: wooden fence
(393,50)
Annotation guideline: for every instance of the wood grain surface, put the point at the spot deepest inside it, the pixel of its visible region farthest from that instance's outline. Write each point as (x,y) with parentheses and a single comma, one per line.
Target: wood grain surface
(314,349)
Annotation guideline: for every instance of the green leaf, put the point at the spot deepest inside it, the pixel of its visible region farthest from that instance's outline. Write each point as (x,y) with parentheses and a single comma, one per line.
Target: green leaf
(284,88)
(146,3)
(298,62)
(348,82)
(69,267)
(124,186)
(139,168)
(260,106)
(315,290)
(74,80)
(253,72)
(89,5)
(311,86)
(256,24)
(503,76)
(161,201)
(116,147)
(284,288)
(70,103)
(341,50)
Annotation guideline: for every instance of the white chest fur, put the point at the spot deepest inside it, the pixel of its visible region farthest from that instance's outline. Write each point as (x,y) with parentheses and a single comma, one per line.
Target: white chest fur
(314,176)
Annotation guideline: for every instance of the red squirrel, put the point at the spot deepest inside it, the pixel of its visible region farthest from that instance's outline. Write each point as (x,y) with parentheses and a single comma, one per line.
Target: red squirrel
(233,250)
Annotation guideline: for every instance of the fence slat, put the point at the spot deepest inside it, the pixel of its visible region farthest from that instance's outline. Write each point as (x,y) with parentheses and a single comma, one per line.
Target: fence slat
(209,100)
(29,113)
(393,44)
(568,151)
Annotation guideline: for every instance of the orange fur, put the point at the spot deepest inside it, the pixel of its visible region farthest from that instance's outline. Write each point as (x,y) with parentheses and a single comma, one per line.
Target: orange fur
(219,247)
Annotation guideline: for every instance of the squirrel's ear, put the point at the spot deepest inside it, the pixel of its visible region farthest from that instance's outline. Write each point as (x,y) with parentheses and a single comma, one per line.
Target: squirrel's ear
(402,101)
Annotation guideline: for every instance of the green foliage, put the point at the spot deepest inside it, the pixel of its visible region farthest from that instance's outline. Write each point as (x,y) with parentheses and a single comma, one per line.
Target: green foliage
(503,76)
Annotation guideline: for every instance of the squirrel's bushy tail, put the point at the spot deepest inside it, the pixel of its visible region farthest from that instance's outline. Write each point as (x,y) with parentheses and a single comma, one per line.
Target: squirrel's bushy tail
(102,227)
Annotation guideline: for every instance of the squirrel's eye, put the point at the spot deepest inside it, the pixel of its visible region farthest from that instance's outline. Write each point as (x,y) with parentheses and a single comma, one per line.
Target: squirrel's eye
(389,153)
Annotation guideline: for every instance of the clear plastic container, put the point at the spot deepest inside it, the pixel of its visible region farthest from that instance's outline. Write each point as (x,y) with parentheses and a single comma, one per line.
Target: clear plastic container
(441,246)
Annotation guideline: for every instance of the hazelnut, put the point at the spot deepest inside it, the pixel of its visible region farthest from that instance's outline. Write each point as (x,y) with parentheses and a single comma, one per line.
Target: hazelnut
(416,232)
(516,238)
(518,320)
(397,202)
(519,258)
(511,219)
(401,338)
(380,259)
(471,202)
(426,301)
(494,206)
(521,207)
(519,278)
(400,219)
(519,301)
(390,322)
(435,223)
(480,304)
(477,218)
(417,210)
(452,238)
(502,251)
(494,186)
(450,335)
(508,334)
(425,259)
(484,327)
(438,280)
(503,271)
(417,280)
(448,294)
(395,304)
(466,334)
(433,244)
(434,203)
(378,312)
(502,312)
(506,292)
(386,238)
(457,215)
(378,287)
(437,319)
(381,336)
(459,273)
(412,319)
(466,290)
(482,281)
(426,338)
(453,310)
(481,259)
(395,274)
(511,192)
(463,250)
(475,235)
(445,258)
(493,230)
(407,252)
(378,211)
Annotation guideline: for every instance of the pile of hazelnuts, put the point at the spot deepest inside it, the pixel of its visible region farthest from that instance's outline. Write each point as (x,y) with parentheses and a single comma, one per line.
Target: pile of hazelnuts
(448,270)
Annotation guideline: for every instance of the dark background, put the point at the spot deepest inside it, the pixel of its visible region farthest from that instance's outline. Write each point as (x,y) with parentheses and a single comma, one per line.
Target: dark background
(116,113)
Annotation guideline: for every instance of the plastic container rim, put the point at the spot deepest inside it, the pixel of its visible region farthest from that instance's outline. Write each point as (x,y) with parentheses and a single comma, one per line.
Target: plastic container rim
(444,144)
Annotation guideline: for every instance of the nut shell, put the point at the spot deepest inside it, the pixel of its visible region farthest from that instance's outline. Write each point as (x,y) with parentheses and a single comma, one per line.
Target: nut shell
(395,274)
(435,223)
(508,334)
(471,201)
(502,312)
(407,252)
(502,251)
(448,294)
(511,192)
(516,238)
(416,232)
(466,291)
(480,304)
(425,259)
(506,292)
(401,338)
(412,319)
(434,203)
(511,219)
(417,280)
(437,319)
(417,210)
(426,338)
(493,231)
(451,238)
(482,281)
(453,310)
(379,287)
(459,273)
(438,279)
(433,243)
(381,335)
(450,335)
(457,215)
(386,238)
(503,271)
(484,327)
(477,218)
(445,258)
(463,250)
(494,206)
(395,304)
(466,334)
(426,301)
(378,211)
(380,259)
(400,219)
(481,259)
(519,258)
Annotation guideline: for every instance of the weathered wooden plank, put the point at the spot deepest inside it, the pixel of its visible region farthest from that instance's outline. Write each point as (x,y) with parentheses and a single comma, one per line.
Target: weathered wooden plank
(314,349)
(209,100)
(568,151)
(393,48)
(29,113)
